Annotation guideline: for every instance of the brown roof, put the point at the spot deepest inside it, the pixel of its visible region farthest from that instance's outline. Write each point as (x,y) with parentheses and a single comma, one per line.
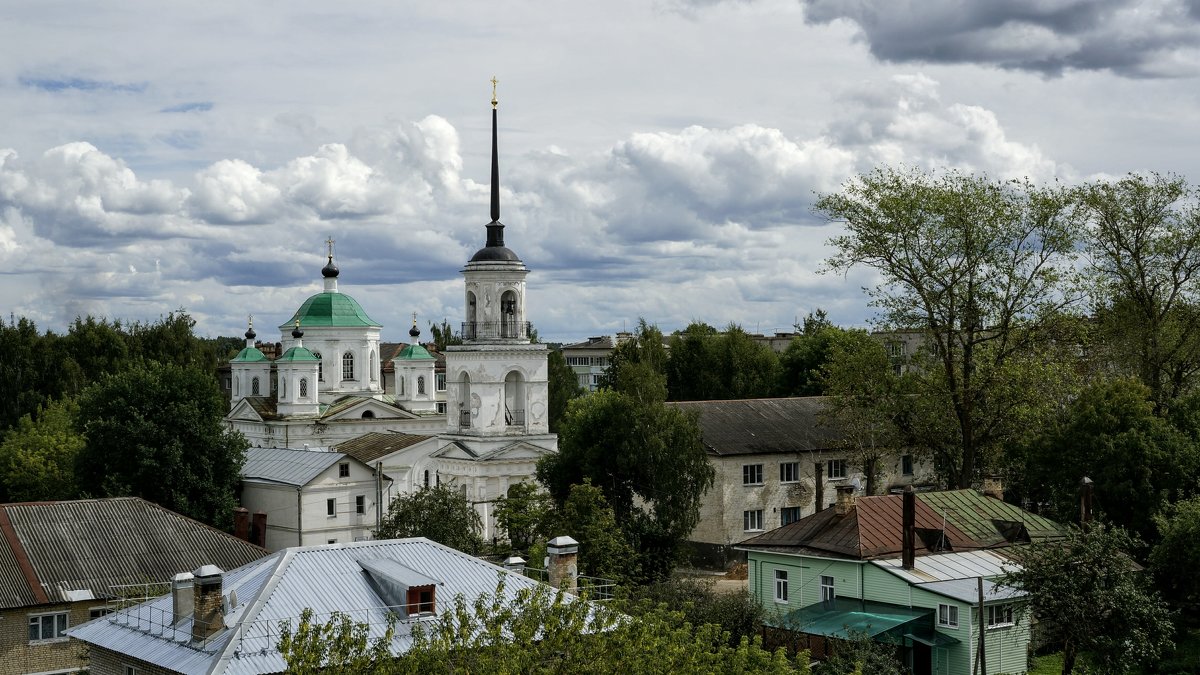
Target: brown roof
(389,350)
(50,548)
(371,446)
(764,425)
(871,529)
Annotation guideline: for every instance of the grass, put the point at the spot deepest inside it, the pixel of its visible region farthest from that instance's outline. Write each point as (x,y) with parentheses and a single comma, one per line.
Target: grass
(1050,664)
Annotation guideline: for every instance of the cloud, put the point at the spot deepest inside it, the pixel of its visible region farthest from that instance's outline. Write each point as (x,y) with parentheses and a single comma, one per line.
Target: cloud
(194,106)
(57,84)
(1133,38)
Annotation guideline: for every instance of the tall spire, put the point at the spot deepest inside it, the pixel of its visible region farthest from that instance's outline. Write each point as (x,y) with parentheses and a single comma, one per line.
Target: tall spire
(494,250)
(495,163)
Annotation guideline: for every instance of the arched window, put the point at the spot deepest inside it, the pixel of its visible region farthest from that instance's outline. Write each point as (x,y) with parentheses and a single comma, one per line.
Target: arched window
(283,387)
(399,385)
(254,387)
(426,477)
(304,387)
(374,375)
(368,415)
(320,367)
(514,399)
(237,386)
(348,366)
(420,385)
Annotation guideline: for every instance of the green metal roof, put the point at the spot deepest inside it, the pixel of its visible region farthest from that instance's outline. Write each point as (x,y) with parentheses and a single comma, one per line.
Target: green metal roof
(330,309)
(987,519)
(849,618)
(413,352)
(298,354)
(249,355)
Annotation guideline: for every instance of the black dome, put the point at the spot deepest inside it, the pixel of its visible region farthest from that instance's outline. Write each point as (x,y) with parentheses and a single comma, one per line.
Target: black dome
(414,331)
(329,271)
(250,334)
(495,254)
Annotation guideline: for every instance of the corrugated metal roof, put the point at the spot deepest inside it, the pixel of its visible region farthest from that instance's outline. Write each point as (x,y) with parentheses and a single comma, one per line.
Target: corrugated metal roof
(322,578)
(985,518)
(371,446)
(967,590)
(287,466)
(949,566)
(94,544)
(765,425)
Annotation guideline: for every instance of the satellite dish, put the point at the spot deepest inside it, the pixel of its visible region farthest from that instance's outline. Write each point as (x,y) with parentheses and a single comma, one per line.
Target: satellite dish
(857,485)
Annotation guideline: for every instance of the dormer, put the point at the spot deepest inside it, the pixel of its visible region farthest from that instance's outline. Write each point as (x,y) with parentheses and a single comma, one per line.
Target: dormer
(401,588)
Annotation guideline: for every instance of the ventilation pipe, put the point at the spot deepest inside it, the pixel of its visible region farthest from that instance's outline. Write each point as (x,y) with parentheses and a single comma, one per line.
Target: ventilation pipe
(908,529)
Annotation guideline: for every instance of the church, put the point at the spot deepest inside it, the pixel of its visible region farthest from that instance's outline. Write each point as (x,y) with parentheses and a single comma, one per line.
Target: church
(326,390)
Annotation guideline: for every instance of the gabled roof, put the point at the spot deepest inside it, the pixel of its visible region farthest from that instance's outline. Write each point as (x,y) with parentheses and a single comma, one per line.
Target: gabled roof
(990,520)
(764,425)
(371,446)
(601,343)
(287,466)
(870,530)
(329,578)
(347,404)
(518,450)
(58,551)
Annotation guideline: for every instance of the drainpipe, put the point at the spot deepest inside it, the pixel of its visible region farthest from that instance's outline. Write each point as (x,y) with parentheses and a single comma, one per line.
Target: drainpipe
(299,518)
(378,496)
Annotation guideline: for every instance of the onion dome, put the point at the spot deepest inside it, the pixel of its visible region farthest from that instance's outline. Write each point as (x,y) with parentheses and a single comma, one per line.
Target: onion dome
(329,271)
(296,332)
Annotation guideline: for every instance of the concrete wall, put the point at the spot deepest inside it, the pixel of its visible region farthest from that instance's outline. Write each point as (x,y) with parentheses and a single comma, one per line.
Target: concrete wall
(300,517)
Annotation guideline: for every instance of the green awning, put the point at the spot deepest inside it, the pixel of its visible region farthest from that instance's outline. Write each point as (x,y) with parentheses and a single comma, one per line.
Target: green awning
(932,638)
(848,618)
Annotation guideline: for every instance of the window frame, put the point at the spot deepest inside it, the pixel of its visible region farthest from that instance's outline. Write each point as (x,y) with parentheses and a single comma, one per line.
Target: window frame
(348,366)
(58,628)
(797,511)
(360,504)
(789,468)
(752,517)
(750,471)
(948,618)
(343,469)
(781,586)
(841,464)
(828,588)
(1004,612)
(906,465)
(331,507)
(439,382)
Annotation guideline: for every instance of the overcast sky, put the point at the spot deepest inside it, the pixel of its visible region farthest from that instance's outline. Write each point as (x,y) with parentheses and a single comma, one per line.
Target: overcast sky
(659,158)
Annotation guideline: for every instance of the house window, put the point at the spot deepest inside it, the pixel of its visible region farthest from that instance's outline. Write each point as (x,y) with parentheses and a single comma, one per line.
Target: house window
(254,388)
(97,612)
(304,387)
(420,385)
(895,348)
(752,474)
(789,472)
(348,366)
(47,627)
(752,520)
(439,381)
(331,507)
(360,505)
(320,367)
(906,465)
(441,407)
(331,541)
(344,470)
(789,514)
(837,468)
(999,616)
(948,616)
(827,593)
(781,586)
(132,670)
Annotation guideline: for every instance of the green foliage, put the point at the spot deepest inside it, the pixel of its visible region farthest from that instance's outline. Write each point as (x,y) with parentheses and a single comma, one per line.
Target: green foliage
(705,365)
(541,631)
(444,335)
(37,459)
(1137,461)
(737,613)
(983,267)
(1144,241)
(563,387)
(339,645)
(638,367)
(154,431)
(1177,556)
(587,517)
(864,656)
(438,512)
(523,514)
(30,372)
(1086,595)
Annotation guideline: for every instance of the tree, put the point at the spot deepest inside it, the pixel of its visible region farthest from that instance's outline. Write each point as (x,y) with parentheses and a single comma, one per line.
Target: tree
(737,613)
(638,366)
(31,370)
(704,365)
(37,459)
(603,549)
(523,514)
(536,631)
(982,267)
(1144,242)
(1177,555)
(563,386)
(438,512)
(155,431)
(647,458)
(444,335)
(1086,594)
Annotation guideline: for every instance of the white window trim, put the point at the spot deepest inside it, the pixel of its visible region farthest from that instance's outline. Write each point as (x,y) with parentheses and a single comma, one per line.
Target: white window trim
(796,479)
(760,475)
(993,610)
(747,517)
(845,469)
(831,587)
(781,583)
(328,503)
(951,621)
(51,640)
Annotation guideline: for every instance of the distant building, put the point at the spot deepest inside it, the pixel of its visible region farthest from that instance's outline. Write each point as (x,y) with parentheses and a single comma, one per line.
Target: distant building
(589,360)
(65,563)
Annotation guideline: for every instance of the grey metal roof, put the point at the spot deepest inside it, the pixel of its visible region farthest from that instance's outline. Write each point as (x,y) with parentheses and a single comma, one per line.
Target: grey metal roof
(49,551)
(967,590)
(324,578)
(949,566)
(287,466)
(764,425)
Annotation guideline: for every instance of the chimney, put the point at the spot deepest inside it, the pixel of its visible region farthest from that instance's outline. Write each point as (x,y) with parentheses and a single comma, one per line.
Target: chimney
(206,600)
(993,486)
(908,529)
(564,568)
(1085,502)
(819,486)
(181,597)
(515,564)
(241,523)
(845,500)
(258,533)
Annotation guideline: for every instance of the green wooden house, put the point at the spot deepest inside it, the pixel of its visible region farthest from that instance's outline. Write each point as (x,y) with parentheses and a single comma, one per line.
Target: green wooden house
(844,572)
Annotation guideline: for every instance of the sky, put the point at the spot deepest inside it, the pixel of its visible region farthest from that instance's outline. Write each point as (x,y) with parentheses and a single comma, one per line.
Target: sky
(658,158)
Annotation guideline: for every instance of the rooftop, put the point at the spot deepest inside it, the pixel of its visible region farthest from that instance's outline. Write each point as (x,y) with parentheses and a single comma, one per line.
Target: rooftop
(764,425)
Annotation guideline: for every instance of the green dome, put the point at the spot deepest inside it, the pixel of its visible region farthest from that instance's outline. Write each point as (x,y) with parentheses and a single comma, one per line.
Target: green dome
(249,355)
(413,352)
(330,309)
(298,354)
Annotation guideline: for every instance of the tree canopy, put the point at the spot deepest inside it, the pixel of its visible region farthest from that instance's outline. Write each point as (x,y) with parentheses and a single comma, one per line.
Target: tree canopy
(562,385)
(707,365)
(154,431)
(438,512)
(37,459)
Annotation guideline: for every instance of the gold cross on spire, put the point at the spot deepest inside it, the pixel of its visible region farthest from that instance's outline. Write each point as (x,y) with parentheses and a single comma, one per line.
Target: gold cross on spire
(250,321)
(329,242)
(414,319)
(494,83)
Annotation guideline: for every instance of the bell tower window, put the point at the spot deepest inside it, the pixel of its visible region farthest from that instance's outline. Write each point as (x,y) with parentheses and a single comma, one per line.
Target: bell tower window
(254,387)
(348,366)
(304,387)
(320,367)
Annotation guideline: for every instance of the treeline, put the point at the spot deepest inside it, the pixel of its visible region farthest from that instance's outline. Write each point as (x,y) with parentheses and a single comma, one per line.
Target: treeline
(110,409)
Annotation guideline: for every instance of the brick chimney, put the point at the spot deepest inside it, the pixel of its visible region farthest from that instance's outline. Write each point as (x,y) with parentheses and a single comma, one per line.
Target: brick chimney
(181,597)
(845,500)
(908,550)
(993,486)
(209,618)
(564,569)
(258,531)
(241,523)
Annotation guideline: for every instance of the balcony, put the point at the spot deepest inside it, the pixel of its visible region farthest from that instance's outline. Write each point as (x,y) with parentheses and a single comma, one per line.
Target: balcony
(514,418)
(495,330)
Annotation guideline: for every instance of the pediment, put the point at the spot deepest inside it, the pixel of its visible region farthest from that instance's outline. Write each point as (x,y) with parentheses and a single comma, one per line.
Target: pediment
(518,451)
(353,410)
(243,412)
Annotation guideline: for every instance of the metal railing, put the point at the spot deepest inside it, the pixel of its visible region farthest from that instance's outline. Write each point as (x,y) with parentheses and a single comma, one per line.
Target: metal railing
(464,419)
(514,418)
(496,330)
(595,588)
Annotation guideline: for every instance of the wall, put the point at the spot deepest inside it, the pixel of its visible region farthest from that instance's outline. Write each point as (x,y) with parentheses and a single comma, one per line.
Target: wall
(280,504)
(18,656)
(107,662)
